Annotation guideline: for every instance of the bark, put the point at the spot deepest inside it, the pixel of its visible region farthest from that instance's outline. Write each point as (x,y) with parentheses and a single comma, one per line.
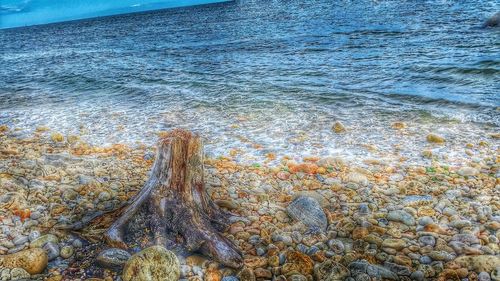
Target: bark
(178,202)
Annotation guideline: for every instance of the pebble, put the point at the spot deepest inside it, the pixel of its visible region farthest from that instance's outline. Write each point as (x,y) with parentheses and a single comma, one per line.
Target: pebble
(336,245)
(467,172)
(20,240)
(484,276)
(296,277)
(338,127)
(459,224)
(358,178)
(331,271)
(417,275)
(113,258)
(298,262)
(401,216)
(376,271)
(400,270)
(246,274)
(42,240)
(427,240)
(435,138)
(18,274)
(479,263)
(67,252)
(397,244)
(77,243)
(52,250)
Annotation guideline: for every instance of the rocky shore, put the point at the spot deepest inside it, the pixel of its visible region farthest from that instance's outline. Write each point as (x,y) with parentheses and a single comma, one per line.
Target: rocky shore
(321,218)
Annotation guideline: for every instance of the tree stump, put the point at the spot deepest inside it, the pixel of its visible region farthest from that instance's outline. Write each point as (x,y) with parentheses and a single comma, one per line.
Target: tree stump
(177,202)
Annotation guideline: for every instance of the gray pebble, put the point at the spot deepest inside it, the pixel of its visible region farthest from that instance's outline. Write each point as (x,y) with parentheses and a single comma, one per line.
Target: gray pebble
(425,260)
(427,240)
(77,243)
(423,221)
(336,245)
(484,276)
(67,252)
(20,240)
(417,275)
(113,258)
(52,250)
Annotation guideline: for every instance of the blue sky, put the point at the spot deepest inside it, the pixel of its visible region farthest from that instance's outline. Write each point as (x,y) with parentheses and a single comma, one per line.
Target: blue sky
(16,13)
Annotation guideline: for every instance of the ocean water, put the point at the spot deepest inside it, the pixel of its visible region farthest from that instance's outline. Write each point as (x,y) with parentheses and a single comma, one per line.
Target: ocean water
(19,13)
(264,76)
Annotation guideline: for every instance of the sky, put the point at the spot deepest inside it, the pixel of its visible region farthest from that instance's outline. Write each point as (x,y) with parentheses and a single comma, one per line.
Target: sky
(17,13)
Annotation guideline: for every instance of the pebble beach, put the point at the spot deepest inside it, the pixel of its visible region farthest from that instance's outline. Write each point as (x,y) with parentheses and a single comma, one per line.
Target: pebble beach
(348,140)
(320,218)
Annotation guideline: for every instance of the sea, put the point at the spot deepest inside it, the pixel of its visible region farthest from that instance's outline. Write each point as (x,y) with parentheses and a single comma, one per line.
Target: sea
(259,78)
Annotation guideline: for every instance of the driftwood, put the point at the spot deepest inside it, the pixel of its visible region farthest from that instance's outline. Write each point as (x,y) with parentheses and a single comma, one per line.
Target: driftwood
(177,202)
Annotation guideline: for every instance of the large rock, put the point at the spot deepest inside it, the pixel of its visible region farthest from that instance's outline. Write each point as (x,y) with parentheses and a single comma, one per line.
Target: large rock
(34,261)
(331,271)
(152,264)
(113,258)
(308,211)
(480,263)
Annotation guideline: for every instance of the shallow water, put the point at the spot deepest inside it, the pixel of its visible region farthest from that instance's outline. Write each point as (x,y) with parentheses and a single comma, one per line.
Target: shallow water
(264,76)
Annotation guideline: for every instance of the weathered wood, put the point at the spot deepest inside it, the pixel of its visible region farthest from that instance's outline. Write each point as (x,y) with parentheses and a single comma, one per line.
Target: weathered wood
(178,202)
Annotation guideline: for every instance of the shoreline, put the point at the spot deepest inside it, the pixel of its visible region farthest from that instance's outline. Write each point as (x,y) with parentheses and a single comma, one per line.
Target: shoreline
(401,218)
